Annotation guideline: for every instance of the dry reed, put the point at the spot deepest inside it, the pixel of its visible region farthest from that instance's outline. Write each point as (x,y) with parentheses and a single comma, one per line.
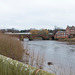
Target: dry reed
(11,47)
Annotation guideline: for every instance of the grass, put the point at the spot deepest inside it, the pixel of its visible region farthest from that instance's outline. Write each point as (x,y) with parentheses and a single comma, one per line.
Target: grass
(11,47)
(67,39)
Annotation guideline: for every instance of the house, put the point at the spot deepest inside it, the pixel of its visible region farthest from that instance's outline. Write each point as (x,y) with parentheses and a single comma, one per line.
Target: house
(61,34)
(70,30)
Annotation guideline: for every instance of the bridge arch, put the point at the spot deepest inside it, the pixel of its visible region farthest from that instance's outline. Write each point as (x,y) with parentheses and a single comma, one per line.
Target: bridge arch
(22,37)
(52,38)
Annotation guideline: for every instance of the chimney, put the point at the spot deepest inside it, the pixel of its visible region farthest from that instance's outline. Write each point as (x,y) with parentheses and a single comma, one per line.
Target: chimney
(67,26)
(72,26)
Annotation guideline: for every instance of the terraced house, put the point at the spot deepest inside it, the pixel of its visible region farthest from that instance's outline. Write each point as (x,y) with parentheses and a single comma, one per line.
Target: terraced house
(61,34)
(70,30)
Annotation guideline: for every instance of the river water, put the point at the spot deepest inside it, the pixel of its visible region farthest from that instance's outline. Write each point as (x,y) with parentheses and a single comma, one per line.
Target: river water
(61,54)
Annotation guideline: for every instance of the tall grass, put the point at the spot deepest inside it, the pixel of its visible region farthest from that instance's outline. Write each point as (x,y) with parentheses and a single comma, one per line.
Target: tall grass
(33,58)
(11,47)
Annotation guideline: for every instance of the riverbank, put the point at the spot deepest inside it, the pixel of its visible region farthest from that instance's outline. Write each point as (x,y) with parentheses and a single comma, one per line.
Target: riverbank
(66,39)
(9,66)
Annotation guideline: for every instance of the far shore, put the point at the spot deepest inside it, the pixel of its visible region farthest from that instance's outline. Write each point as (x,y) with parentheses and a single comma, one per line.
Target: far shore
(67,39)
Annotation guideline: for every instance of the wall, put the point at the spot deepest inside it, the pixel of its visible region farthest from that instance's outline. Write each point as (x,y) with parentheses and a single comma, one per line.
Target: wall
(13,67)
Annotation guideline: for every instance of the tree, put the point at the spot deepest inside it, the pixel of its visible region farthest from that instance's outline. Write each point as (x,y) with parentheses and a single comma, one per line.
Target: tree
(34,31)
(43,32)
(39,32)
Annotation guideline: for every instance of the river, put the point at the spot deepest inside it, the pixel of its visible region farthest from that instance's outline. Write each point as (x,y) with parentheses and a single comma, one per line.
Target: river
(61,54)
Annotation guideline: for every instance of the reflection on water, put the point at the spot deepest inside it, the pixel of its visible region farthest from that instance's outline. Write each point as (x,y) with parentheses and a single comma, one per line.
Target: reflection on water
(61,54)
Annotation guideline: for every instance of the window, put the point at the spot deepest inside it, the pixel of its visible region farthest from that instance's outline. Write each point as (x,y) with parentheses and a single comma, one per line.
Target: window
(64,35)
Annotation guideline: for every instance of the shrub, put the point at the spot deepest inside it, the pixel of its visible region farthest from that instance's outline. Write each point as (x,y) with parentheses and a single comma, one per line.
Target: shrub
(11,47)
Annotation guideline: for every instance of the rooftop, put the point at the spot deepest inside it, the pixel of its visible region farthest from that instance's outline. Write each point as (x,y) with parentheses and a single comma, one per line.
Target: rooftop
(71,27)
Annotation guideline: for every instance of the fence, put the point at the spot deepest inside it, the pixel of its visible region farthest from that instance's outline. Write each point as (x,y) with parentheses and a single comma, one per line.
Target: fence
(9,66)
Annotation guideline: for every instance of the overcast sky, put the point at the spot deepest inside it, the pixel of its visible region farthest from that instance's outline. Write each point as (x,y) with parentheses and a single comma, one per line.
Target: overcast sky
(25,14)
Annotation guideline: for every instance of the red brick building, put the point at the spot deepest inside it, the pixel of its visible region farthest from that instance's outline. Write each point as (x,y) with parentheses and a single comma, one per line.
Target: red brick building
(70,30)
(61,34)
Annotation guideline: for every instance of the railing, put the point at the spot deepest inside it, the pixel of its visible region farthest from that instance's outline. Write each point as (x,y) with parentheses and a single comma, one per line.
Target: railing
(9,66)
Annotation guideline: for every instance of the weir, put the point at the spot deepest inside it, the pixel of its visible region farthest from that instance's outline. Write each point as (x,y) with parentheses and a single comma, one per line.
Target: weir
(9,66)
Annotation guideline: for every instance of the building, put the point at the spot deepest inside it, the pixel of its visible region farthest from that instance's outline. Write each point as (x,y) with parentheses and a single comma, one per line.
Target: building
(61,34)
(70,30)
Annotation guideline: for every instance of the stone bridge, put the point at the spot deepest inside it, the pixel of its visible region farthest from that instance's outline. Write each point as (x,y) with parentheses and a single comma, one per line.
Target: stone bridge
(32,36)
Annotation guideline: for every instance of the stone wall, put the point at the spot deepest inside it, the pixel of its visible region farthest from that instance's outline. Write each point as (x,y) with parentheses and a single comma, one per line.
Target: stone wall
(9,66)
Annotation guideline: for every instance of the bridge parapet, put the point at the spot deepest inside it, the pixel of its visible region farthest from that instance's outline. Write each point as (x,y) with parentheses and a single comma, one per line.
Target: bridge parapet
(9,66)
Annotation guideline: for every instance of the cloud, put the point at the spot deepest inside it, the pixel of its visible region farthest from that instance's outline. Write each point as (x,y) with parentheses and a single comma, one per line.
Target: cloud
(36,13)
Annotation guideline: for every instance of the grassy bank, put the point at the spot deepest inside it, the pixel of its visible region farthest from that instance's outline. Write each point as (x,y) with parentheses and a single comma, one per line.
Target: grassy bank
(11,47)
(66,39)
